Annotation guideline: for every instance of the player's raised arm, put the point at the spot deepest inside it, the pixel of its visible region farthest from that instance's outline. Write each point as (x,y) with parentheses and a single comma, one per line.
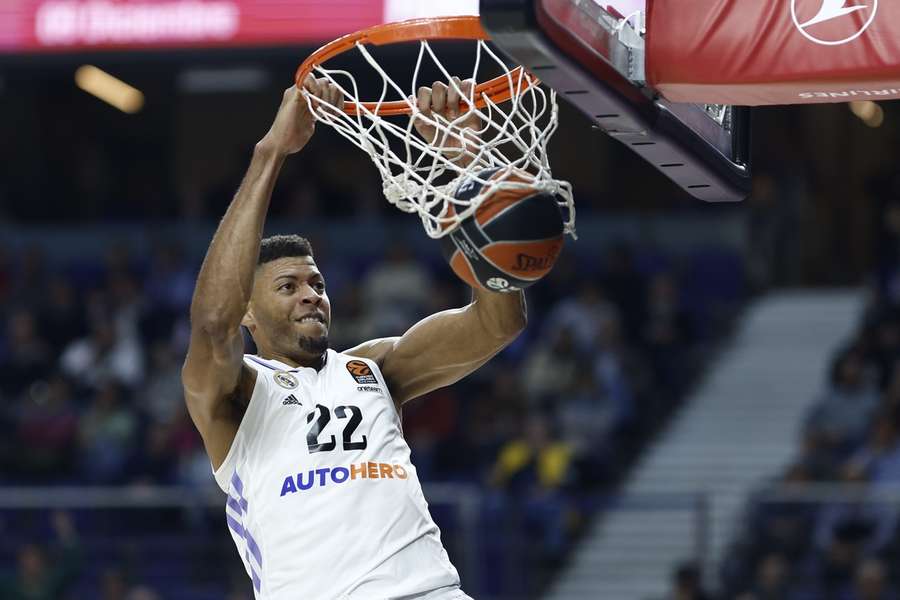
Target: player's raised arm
(216,385)
(445,347)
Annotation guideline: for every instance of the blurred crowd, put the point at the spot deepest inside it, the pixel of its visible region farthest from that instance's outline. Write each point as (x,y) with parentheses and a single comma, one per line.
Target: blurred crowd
(845,548)
(91,350)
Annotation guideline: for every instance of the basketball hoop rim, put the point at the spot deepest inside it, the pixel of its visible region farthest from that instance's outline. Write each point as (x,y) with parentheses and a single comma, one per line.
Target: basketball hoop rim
(498,90)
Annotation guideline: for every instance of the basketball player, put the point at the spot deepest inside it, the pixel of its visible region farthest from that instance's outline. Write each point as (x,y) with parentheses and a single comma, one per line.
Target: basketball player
(323,501)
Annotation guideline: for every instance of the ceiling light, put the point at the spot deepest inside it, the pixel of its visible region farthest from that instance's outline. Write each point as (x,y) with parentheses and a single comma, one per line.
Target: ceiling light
(109,89)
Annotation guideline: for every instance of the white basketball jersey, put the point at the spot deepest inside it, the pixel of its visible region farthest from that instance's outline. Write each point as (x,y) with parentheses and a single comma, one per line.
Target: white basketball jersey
(323,501)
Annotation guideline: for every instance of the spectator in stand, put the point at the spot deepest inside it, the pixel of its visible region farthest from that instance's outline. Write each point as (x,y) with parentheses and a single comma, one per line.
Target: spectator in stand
(852,437)
(61,314)
(532,471)
(31,279)
(48,428)
(591,417)
(830,571)
(772,581)
(616,370)
(878,466)
(784,526)
(687,584)
(126,305)
(25,356)
(884,350)
(6,275)
(43,577)
(114,585)
(356,321)
(168,290)
(591,414)
(872,583)
(142,593)
(667,331)
(106,433)
(551,366)
(396,290)
(490,417)
(160,397)
(879,461)
(583,315)
(840,418)
(155,463)
(888,253)
(104,355)
(170,282)
(626,288)
(193,471)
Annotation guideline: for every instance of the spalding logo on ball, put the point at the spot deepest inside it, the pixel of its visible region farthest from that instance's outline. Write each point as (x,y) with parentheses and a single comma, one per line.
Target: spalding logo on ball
(513,238)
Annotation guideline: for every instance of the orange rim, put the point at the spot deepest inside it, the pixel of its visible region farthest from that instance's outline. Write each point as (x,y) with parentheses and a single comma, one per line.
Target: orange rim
(442,28)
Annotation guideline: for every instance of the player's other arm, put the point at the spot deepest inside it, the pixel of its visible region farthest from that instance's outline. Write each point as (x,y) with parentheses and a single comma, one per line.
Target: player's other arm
(217,385)
(445,347)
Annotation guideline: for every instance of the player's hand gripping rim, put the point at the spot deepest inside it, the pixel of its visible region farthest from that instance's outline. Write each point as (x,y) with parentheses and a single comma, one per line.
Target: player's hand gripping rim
(446,119)
(295,122)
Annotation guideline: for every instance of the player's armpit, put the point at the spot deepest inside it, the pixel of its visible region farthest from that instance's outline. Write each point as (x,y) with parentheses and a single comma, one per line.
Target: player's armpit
(217,388)
(445,347)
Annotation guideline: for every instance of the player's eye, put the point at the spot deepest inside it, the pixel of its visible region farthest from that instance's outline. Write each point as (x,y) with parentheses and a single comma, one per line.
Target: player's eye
(286,286)
(320,286)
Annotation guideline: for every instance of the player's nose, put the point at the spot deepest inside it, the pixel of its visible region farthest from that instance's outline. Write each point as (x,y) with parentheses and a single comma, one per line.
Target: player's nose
(310,295)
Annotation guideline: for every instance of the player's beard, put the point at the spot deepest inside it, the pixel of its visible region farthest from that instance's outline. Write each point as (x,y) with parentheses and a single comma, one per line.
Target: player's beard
(313,345)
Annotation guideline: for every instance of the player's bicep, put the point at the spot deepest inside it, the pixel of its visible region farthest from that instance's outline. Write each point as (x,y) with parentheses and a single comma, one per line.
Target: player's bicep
(438,351)
(216,382)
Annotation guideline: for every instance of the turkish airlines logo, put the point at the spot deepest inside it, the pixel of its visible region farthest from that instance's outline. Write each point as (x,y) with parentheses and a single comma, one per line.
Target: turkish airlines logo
(835,22)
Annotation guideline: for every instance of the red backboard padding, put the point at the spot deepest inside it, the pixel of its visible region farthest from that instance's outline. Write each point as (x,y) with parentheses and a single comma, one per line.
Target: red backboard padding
(757,52)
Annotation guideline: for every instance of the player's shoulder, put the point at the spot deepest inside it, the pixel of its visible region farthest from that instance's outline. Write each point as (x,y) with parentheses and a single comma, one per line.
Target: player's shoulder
(355,364)
(271,373)
(374,350)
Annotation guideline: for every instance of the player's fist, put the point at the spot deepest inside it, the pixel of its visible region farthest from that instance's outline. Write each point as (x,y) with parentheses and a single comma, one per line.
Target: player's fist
(443,104)
(295,123)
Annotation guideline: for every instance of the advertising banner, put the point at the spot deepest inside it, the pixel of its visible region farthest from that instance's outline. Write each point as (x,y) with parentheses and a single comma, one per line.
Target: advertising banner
(59,26)
(774,51)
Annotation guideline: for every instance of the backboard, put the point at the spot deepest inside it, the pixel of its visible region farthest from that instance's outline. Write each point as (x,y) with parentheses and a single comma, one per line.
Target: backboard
(592,53)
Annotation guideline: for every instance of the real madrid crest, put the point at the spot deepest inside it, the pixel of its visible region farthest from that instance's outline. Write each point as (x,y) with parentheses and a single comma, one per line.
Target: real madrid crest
(285,379)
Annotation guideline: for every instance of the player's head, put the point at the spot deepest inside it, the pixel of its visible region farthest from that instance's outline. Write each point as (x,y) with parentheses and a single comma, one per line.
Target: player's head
(289,312)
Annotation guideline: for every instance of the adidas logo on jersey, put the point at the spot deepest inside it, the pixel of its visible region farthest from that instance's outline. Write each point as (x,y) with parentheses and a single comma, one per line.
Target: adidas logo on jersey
(291,400)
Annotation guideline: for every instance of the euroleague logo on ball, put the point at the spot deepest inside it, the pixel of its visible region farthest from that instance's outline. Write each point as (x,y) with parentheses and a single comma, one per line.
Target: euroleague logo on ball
(499,284)
(833,22)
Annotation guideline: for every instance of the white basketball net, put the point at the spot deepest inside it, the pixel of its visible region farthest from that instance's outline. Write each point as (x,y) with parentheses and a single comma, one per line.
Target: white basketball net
(419,177)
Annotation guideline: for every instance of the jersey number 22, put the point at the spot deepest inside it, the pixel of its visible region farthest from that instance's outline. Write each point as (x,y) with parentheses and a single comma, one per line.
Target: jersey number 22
(324,417)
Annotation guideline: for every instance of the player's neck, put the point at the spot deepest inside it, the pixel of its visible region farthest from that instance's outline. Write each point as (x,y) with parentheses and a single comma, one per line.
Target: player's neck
(314,361)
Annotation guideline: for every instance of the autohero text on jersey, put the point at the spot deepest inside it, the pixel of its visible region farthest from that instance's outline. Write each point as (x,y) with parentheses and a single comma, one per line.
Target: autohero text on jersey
(338,475)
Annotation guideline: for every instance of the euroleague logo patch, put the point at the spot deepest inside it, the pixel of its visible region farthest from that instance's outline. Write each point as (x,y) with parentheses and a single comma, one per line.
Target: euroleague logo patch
(361,372)
(833,22)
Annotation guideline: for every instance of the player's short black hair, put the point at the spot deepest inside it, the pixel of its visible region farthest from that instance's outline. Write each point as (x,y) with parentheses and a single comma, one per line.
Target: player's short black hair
(279,246)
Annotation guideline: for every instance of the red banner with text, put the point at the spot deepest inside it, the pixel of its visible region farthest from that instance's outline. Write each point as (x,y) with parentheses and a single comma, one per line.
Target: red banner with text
(60,26)
(774,51)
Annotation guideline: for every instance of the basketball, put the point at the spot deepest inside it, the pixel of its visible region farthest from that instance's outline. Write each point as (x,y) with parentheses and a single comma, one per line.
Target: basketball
(513,238)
